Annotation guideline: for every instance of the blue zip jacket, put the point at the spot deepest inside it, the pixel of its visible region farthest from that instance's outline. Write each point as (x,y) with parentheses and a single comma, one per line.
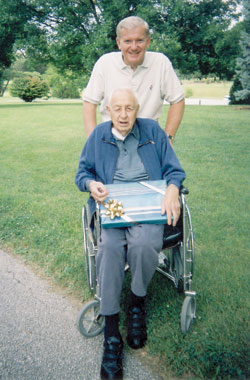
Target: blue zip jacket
(100,153)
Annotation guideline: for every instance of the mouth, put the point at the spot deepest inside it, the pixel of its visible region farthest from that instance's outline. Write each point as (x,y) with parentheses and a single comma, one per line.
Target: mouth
(135,54)
(123,123)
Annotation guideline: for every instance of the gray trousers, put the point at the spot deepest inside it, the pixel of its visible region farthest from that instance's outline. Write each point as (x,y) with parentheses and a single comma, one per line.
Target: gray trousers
(139,247)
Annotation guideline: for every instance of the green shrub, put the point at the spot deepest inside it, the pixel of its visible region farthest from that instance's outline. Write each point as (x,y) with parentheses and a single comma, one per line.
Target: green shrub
(65,89)
(237,86)
(65,86)
(29,87)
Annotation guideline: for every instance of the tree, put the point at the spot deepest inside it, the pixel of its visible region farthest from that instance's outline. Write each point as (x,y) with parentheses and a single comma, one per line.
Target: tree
(243,72)
(63,86)
(14,15)
(73,34)
(189,32)
(28,87)
(227,50)
(25,64)
(236,87)
(5,79)
(200,30)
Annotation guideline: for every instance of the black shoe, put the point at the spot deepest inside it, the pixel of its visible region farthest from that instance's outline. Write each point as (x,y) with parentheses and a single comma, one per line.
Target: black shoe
(137,331)
(111,367)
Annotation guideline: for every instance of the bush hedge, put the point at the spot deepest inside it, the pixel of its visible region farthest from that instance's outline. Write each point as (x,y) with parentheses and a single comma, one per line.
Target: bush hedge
(29,87)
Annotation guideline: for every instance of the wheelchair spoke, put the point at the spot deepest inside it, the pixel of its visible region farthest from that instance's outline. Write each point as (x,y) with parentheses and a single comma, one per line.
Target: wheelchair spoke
(93,325)
(90,322)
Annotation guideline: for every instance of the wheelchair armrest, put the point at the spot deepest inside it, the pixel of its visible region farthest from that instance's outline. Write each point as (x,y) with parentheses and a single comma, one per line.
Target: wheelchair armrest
(184,190)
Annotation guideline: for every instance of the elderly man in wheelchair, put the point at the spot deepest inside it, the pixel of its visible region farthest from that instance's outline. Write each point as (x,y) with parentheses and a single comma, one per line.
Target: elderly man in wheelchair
(127,149)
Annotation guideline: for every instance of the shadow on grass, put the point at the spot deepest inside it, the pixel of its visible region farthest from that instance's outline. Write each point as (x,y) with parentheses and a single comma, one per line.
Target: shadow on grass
(162,297)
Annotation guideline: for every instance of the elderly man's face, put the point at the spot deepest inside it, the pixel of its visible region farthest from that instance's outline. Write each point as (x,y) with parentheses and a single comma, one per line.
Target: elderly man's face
(123,110)
(133,45)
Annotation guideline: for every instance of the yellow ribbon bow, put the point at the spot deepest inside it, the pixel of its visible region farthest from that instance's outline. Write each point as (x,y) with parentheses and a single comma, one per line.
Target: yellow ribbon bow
(114,208)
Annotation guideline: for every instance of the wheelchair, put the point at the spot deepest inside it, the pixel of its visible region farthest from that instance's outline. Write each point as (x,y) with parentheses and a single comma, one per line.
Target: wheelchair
(176,263)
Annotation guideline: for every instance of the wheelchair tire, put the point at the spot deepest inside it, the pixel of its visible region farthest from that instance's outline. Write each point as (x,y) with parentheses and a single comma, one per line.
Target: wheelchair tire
(89,322)
(89,251)
(188,313)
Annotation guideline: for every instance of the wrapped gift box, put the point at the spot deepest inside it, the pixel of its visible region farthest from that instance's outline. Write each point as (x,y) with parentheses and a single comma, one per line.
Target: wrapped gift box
(141,202)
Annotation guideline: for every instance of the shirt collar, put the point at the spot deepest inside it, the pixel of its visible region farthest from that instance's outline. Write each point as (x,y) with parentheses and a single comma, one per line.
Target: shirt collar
(117,135)
(134,131)
(143,134)
(123,65)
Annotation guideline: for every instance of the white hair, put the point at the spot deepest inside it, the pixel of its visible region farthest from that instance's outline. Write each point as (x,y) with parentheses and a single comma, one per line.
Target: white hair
(124,89)
(131,23)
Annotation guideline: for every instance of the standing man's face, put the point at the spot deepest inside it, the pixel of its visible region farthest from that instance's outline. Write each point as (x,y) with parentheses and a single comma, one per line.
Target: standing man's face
(133,45)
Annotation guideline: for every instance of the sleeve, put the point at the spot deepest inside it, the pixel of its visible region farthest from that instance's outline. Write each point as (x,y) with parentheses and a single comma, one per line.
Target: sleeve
(94,92)
(86,167)
(172,89)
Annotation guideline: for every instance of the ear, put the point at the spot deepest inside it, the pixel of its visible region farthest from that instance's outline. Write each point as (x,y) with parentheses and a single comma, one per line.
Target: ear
(118,43)
(137,109)
(148,41)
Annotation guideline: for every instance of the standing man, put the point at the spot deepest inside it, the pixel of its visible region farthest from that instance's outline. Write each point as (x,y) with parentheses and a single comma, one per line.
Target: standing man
(149,75)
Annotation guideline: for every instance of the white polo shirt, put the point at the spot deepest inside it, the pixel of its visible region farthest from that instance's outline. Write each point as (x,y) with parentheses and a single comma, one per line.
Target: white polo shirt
(153,82)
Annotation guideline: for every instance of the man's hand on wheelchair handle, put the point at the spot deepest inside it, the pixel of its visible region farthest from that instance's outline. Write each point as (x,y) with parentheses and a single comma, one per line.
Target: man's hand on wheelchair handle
(98,191)
(171,205)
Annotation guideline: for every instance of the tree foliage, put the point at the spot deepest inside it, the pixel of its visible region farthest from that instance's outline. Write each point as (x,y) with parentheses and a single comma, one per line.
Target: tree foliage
(63,86)
(14,17)
(202,40)
(73,34)
(235,88)
(243,62)
(5,79)
(29,87)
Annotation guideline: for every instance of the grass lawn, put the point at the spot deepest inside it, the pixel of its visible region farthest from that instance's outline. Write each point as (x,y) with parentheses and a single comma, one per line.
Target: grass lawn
(199,89)
(41,220)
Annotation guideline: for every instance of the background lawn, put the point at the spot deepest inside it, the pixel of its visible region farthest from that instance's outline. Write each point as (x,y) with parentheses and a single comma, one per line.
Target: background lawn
(40,219)
(208,89)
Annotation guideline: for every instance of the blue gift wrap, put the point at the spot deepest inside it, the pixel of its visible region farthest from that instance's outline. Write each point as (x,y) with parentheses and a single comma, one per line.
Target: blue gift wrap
(141,203)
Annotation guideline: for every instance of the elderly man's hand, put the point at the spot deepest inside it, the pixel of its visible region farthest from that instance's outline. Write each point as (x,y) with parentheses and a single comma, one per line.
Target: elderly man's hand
(98,191)
(171,205)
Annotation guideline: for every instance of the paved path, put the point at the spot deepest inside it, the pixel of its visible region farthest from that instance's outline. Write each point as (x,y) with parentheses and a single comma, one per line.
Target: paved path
(38,335)
(205,102)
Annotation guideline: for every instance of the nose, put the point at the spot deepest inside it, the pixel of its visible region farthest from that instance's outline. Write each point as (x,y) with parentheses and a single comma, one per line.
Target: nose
(133,45)
(123,113)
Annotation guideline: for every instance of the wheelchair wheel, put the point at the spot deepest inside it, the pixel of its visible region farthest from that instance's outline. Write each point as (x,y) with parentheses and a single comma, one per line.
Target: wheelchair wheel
(89,322)
(188,313)
(189,249)
(89,250)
